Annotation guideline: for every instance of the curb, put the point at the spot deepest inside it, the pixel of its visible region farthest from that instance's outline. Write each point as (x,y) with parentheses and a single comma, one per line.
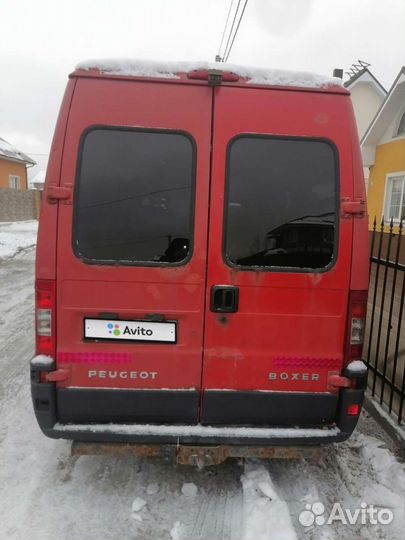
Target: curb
(383,418)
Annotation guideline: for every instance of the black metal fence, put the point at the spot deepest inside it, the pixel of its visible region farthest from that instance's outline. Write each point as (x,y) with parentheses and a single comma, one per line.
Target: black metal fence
(384,346)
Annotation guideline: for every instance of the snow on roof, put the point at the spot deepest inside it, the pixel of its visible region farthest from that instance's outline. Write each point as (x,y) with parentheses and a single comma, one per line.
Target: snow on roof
(9,151)
(170,70)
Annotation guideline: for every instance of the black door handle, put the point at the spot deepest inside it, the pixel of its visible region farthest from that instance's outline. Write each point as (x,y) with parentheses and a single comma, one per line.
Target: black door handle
(224,298)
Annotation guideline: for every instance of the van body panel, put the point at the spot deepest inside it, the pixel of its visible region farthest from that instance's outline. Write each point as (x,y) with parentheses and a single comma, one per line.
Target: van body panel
(47,232)
(261,316)
(361,237)
(269,408)
(289,321)
(134,292)
(81,405)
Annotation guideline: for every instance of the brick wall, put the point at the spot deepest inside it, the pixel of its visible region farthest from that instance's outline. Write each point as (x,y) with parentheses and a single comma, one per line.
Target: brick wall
(16,205)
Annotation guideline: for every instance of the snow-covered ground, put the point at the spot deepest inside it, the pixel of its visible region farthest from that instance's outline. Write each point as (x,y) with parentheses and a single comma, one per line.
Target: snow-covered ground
(16,235)
(45,494)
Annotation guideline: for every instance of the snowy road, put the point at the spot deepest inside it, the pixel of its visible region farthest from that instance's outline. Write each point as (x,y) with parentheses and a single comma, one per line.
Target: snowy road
(47,495)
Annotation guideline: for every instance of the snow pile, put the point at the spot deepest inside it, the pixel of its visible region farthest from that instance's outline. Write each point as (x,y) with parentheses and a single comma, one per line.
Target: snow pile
(137,506)
(265,515)
(178,531)
(199,430)
(15,236)
(41,361)
(387,488)
(170,70)
(189,489)
(357,366)
(152,488)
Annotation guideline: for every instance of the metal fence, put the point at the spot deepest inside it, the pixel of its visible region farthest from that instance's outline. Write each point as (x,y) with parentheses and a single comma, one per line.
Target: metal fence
(385,330)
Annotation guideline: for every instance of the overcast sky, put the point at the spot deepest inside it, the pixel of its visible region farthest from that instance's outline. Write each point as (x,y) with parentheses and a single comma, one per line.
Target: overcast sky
(42,40)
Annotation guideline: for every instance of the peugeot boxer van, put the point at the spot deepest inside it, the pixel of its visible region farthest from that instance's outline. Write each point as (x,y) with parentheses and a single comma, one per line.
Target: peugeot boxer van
(202,259)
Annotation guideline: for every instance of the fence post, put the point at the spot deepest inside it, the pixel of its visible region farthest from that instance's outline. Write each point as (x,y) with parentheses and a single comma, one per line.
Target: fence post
(374,304)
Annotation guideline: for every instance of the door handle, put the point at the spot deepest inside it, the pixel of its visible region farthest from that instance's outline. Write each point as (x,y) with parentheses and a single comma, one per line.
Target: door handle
(224,299)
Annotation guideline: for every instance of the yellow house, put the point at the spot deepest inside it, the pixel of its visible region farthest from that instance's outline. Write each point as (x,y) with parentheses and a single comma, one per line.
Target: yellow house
(383,149)
(13,167)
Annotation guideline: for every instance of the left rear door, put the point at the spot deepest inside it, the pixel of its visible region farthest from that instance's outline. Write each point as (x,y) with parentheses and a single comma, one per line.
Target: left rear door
(132,247)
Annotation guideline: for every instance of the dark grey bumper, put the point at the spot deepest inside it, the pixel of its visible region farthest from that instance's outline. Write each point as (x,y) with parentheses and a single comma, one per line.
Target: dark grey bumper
(45,406)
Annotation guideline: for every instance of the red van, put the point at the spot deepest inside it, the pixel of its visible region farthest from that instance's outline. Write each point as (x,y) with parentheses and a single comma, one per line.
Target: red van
(202,260)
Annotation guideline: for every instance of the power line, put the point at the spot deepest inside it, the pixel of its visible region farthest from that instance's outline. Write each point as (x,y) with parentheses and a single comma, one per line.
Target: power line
(236,31)
(218,57)
(230,33)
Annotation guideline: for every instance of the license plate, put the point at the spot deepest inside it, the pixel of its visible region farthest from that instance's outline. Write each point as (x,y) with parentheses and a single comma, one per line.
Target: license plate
(163,332)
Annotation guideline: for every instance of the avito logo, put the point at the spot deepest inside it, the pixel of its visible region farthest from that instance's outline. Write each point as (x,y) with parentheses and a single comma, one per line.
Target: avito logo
(114,329)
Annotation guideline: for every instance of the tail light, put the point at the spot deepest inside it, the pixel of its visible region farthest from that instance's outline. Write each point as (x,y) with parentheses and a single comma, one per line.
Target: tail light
(45,317)
(353,410)
(356,323)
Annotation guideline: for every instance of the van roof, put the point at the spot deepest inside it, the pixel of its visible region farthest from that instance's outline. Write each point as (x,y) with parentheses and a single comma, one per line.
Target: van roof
(186,71)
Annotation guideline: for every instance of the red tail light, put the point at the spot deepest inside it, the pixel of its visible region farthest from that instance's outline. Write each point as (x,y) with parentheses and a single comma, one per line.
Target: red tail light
(356,323)
(45,317)
(353,410)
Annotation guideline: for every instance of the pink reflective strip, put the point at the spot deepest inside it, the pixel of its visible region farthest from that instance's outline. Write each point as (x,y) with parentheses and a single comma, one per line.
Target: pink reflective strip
(93,358)
(296,362)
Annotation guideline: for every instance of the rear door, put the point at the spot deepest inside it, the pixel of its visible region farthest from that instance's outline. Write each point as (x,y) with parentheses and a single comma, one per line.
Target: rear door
(279,256)
(131,262)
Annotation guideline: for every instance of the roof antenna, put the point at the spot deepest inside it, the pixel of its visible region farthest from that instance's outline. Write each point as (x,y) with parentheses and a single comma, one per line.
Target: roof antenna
(357,68)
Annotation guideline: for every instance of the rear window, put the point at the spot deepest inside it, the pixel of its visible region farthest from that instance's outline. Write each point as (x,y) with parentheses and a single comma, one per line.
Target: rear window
(281,204)
(134,197)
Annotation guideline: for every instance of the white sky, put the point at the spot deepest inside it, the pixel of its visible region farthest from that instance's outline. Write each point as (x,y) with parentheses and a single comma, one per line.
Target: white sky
(42,40)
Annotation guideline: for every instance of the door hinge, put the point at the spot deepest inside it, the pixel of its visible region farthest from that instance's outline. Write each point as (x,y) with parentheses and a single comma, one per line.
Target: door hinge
(63,194)
(57,376)
(350,208)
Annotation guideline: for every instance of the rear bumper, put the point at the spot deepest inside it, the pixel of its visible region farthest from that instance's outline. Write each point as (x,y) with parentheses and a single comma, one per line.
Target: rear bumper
(196,434)
(45,403)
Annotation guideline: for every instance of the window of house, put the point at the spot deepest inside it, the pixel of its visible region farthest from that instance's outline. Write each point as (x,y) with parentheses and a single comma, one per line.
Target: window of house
(14,181)
(395,198)
(134,197)
(281,208)
(401,126)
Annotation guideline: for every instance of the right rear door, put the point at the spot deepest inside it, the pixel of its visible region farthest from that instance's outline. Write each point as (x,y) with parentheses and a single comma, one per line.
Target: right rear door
(279,257)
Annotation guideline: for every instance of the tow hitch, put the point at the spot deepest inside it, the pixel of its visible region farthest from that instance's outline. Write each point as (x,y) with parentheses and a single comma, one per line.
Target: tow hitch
(196,456)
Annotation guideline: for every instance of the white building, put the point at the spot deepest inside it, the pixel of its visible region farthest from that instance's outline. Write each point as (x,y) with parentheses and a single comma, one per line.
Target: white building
(367,95)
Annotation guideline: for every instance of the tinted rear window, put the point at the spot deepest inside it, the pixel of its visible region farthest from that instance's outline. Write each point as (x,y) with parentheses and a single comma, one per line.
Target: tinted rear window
(134,197)
(281,206)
